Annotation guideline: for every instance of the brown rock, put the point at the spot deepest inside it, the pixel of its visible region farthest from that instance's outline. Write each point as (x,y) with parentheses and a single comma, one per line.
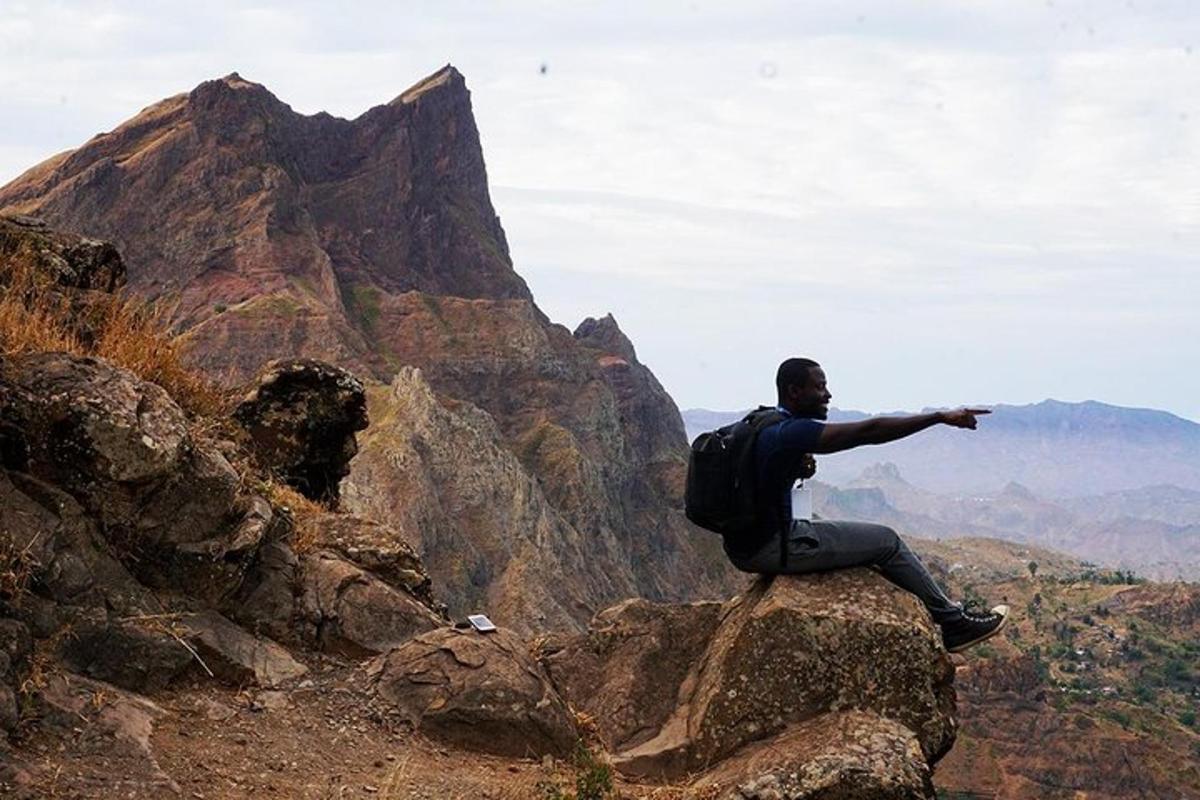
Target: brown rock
(843,755)
(69,260)
(626,672)
(350,610)
(791,650)
(120,727)
(236,656)
(267,601)
(140,655)
(377,548)
(799,646)
(120,447)
(479,691)
(54,543)
(302,416)
(147,653)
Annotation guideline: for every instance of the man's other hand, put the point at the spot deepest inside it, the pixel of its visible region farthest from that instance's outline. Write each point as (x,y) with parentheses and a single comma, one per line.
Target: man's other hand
(808,466)
(963,417)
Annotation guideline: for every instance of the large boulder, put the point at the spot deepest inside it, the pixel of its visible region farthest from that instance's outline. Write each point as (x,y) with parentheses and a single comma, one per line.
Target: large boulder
(790,652)
(799,646)
(479,691)
(302,416)
(171,506)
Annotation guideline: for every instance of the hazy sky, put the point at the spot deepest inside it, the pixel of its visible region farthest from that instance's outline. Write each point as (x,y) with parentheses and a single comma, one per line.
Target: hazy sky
(944,203)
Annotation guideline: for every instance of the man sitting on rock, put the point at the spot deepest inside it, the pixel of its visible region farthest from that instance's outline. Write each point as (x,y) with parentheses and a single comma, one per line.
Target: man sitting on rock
(783,453)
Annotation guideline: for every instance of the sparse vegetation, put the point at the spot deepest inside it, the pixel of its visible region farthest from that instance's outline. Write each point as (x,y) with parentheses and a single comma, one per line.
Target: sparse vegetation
(36,315)
(17,564)
(593,779)
(303,511)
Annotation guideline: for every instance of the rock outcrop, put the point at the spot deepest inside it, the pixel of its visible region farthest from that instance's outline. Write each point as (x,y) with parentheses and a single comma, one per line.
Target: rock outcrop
(441,474)
(830,685)
(67,259)
(626,672)
(120,447)
(480,691)
(301,416)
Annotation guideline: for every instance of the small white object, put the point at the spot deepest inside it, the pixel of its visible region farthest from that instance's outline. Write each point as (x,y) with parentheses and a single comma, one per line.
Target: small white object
(481,623)
(801,501)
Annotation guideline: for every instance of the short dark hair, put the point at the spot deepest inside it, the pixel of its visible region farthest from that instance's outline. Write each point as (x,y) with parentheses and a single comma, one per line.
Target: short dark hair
(793,372)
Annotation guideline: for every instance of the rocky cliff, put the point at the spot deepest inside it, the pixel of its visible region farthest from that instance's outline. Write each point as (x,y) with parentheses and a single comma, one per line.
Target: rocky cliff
(170,591)
(372,244)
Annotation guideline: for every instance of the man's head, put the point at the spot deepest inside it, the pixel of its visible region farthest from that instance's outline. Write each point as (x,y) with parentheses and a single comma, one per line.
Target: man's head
(802,389)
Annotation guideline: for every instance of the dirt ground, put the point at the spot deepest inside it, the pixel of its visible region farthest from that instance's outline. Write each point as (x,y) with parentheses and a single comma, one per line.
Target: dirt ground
(322,738)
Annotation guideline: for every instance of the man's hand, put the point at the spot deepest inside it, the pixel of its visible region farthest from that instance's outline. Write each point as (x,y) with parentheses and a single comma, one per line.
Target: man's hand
(963,417)
(808,466)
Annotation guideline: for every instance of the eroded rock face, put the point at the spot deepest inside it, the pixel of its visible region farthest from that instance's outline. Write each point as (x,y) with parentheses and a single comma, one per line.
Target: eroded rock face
(627,671)
(68,260)
(479,691)
(440,473)
(302,416)
(279,231)
(120,447)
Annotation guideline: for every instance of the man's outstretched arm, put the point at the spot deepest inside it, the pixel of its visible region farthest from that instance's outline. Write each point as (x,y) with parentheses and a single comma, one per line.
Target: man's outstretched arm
(840,436)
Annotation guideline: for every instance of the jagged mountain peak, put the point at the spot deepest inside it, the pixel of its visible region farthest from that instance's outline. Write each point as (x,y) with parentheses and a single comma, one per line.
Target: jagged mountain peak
(223,195)
(448,79)
(606,335)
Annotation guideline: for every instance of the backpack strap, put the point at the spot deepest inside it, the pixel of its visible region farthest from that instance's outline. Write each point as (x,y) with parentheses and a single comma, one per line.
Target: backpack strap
(760,419)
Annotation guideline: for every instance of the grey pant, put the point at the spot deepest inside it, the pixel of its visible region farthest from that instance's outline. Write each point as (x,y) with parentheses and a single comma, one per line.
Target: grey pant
(819,545)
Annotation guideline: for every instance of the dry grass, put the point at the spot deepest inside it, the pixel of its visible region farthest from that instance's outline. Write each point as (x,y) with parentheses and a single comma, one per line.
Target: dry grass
(17,565)
(305,514)
(37,315)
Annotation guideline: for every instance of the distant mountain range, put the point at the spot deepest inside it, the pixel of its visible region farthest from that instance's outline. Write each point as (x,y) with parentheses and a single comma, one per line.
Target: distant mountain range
(1055,449)
(1153,532)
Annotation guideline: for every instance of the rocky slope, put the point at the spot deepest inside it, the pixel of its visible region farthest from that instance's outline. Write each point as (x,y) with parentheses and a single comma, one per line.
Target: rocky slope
(372,244)
(1091,692)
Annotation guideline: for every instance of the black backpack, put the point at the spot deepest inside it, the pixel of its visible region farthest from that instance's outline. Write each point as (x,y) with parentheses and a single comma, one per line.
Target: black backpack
(720,483)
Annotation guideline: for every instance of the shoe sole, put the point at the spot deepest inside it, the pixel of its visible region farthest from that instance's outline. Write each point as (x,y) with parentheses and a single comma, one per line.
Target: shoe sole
(1003,611)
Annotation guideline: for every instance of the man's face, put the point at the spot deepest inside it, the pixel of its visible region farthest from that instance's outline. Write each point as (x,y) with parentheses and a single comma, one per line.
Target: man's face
(813,399)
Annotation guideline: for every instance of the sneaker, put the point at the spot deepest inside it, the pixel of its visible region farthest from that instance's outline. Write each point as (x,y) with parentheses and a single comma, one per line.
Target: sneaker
(971,629)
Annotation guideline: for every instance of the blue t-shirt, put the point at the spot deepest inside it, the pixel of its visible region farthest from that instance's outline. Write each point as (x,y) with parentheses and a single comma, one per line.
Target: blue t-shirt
(778,454)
